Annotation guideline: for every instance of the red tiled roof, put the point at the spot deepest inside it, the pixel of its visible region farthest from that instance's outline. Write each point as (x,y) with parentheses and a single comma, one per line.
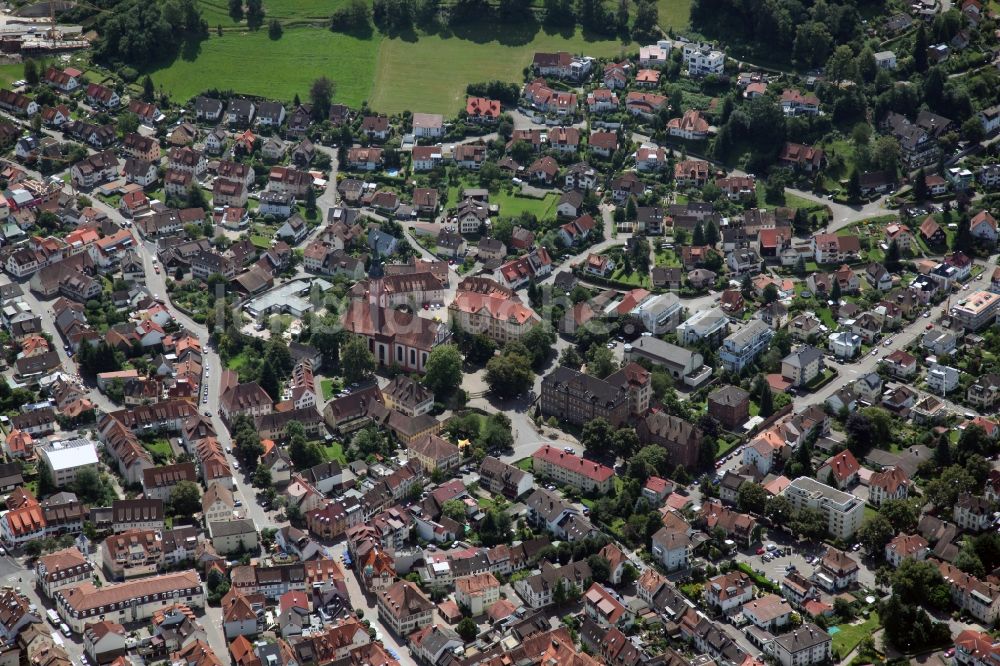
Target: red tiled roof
(592,470)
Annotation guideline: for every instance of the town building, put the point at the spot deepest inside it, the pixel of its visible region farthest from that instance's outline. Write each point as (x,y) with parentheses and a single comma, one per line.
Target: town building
(844,512)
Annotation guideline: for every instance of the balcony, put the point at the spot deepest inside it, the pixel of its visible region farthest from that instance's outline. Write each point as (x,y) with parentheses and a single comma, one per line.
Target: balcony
(696,379)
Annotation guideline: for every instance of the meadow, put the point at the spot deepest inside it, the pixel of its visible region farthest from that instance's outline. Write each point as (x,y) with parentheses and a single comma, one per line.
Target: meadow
(252,63)
(430,74)
(417,71)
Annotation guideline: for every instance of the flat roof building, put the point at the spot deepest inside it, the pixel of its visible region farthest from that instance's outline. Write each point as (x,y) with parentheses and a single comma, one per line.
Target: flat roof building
(976,311)
(67,458)
(843,511)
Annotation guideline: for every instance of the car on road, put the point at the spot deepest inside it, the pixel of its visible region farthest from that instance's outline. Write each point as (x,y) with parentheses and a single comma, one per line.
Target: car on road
(927,315)
(875,352)
(760,551)
(929,326)
(237,502)
(950,652)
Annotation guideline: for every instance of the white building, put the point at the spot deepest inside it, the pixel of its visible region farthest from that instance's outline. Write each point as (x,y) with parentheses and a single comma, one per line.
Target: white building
(703,59)
(843,511)
(128,602)
(742,347)
(806,645)
(885,60)
(477,592)
(942,379)
(659,314)
(844,344)
(67,458)
(672,549)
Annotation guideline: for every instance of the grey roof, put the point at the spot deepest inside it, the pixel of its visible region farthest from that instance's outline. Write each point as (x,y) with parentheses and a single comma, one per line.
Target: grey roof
(232,528)
(574,572)
(804,356)
(728,395)
(547,504)
(745,335)
(578,382)
(653,346)
(805,637)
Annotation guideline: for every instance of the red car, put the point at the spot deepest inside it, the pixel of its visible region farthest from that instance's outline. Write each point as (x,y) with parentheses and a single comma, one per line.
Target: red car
(760,551)
(930,326)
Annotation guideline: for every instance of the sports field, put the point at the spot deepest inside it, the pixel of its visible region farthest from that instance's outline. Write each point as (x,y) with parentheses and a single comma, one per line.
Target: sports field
(420,72)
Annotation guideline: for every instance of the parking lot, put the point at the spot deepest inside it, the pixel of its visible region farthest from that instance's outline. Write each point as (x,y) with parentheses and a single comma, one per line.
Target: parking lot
(805,558)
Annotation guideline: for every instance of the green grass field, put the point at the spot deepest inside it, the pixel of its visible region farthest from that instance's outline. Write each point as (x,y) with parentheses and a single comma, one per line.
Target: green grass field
(419,72)
(430,74)
(161,450)
(10,73)
(335,452)
(850,635)
(250,62)
(216,12)
(512,205)
(674,14)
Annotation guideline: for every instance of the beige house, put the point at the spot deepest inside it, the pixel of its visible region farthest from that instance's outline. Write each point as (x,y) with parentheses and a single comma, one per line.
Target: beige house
(802,366)
(403,608)
(433,452)
(217,503)
(128,602)
(232,536)
(477,592)
(62,568)
(407,396)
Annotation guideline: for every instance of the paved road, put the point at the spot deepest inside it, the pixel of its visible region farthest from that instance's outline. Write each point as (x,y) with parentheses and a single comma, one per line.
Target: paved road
(844,215)
(850,372)
(367,603)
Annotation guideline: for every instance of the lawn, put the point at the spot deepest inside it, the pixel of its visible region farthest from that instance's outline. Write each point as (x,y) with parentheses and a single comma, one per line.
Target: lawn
(243,364)
(330,388)
(674,14)
(634,278)
(667,258)
(10,73)
(526,464)
(726,447)
(512,205)
(216,12)
(335,451)
(160,448)
(261,242)
(287,66)
(430,74)
(422,72)
(850,635)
